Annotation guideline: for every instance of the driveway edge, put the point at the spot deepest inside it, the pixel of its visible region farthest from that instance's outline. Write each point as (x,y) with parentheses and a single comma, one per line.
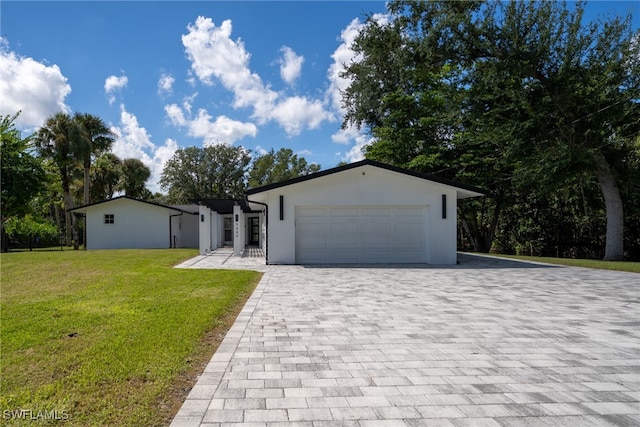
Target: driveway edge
(195,406)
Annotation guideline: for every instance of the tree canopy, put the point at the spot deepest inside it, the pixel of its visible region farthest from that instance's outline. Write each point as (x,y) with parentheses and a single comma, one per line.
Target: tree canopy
(133,176)
(278,166)
(520,97)
(216,171)
(23,176)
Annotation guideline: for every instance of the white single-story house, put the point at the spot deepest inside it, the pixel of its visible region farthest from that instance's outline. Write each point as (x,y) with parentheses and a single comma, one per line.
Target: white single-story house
(128,223)
(364,212)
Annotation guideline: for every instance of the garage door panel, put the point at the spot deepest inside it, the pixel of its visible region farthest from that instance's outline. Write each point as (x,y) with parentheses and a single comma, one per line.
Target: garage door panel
(306,213)
(377,212)
(361,234)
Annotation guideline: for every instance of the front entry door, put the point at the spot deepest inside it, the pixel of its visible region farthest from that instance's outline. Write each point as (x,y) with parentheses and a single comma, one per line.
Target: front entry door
(254,230)
(228,230)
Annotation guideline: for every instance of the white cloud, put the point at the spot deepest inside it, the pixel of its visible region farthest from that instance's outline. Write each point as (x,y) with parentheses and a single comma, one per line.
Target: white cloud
(215,57)
(176,115)
(165,84)
(296,113)
(345,55)
(290,65)
(355,152)
(222,130)
(346,136)
(113,84)
(258,151)
(133,141)
(304,153)
(187,102)
(36,89)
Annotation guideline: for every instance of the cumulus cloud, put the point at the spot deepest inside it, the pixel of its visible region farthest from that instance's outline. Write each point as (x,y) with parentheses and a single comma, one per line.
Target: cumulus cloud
(342,56)
(355,153)
(222,130)
(258,151)
(216,57)
(290,65)
(187,102)
(165,84)
(26,85)
(133,141)
(113,84)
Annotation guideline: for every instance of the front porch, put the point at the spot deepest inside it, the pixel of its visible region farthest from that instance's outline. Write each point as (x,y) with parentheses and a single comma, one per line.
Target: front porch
(251,258)
(231,224)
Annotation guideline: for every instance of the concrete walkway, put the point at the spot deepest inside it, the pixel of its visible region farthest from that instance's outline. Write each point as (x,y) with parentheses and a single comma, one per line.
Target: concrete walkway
(483,343)
(223,258)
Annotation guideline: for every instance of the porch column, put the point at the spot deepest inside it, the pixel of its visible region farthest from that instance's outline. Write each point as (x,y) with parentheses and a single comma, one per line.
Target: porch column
(238,230)
(204,229)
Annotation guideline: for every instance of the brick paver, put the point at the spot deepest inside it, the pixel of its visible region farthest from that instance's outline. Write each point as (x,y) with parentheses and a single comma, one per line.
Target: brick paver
(483,343)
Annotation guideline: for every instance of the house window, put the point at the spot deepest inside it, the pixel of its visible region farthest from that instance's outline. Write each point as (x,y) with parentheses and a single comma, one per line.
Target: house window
(109,219)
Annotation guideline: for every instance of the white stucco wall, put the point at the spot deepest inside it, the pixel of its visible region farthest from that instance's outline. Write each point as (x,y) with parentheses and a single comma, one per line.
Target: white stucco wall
(185,228)
(204,229)
(136,225)
(362,186)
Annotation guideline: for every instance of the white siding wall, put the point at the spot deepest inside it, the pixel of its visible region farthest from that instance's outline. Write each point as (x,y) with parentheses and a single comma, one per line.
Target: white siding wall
(363,186)
(136,225)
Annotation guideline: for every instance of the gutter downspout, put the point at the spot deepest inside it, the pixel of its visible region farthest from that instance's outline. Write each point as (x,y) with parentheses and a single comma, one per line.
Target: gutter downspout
(170,231)
(266,224)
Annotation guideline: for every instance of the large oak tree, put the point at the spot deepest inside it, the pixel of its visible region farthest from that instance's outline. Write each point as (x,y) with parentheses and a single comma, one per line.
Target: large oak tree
(510,95)
(216,171)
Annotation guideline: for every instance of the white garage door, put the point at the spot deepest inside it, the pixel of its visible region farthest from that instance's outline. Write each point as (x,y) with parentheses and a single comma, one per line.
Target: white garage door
(361,234)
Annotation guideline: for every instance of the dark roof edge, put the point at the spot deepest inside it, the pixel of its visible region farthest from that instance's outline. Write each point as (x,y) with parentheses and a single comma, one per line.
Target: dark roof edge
(366,162)
(135,200)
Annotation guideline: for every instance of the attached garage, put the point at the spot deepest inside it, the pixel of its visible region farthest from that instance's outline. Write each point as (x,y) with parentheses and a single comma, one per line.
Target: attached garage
(362,213)
(361,234)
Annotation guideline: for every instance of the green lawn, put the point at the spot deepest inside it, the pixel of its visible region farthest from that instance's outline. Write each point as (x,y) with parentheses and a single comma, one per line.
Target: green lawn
(109,337)
(633,267)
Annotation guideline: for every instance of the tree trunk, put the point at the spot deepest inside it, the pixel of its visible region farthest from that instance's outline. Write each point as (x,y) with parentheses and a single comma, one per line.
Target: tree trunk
(69,223)
(3,239)
(67,218)
(87,183)
(491,232)
(472,239)
(614,244)
(56,213)
(74,226)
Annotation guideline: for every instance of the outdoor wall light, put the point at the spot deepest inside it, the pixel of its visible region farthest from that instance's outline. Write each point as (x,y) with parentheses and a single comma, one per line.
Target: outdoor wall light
(444,206)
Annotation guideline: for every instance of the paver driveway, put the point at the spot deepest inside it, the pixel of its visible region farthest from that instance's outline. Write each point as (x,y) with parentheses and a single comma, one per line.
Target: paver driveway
(484,343)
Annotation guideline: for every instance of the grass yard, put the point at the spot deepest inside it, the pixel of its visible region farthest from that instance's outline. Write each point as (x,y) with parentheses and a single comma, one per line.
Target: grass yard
(633,267)
(109,337)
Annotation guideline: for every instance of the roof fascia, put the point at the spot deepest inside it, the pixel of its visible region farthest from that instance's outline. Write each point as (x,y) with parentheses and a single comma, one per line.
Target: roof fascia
(367,162)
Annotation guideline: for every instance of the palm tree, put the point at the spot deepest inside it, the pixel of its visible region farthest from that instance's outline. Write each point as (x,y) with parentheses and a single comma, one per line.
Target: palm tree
(105,175)
(58,139)
(134,176)
(96,139)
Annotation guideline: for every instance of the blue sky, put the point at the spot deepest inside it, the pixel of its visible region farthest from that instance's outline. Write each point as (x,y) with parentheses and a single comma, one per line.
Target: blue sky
(165,75)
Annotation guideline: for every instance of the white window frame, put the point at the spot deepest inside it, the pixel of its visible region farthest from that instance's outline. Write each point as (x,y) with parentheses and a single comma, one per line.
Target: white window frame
(109,219)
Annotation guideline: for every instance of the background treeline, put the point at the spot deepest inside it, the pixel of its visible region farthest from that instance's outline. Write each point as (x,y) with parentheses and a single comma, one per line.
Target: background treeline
(68,163)
(522,98)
